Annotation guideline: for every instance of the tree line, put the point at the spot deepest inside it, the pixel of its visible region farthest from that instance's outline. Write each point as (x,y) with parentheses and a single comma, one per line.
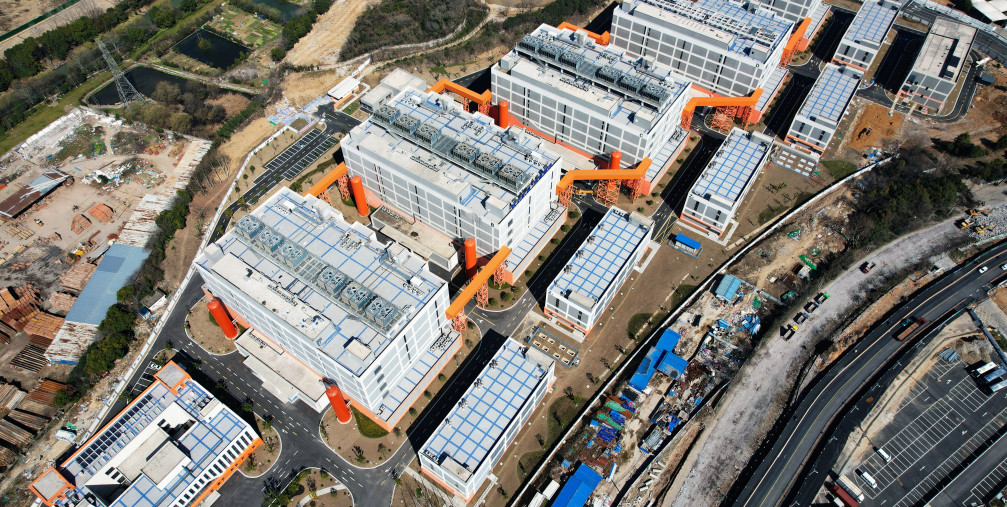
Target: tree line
(293,28)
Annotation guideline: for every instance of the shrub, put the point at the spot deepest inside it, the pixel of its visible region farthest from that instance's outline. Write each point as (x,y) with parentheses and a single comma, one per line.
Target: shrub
(277,53)
(574,215)
(565,228)
(367,427)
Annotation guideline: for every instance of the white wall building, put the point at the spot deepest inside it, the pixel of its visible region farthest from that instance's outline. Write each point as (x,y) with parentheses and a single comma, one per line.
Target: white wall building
(174,444)
(593,276)
(470,441)
(866,34)
(456,172)
(350,309)
(824,107)
(719,45)
(717,194)
(593,98)
(939,64)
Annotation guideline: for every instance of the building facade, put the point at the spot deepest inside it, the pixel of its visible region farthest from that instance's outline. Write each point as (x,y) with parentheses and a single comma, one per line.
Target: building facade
(593,276)
(173,445)
(593,98)
(454,171)
(464,448)
(939,64)
(717,44)
(715,198)
(866,34)
(350,309)
(817,120)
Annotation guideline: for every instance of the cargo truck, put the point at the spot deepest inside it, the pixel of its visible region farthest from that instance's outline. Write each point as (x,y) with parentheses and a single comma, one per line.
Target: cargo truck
(843,496)
(993,375)
(909,326)
(998,386)
(851,488)
(986,368)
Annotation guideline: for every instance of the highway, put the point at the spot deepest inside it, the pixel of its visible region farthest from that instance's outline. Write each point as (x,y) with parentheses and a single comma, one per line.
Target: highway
(785,464)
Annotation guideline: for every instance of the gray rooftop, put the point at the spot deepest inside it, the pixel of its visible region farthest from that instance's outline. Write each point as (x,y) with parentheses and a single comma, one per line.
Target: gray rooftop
(945,50)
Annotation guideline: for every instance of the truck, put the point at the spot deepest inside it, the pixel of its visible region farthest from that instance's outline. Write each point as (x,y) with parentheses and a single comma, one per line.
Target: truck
(986,368)
(843,496)
(998,386)
(993,375)
(909,326)
(867,267)
(850,488)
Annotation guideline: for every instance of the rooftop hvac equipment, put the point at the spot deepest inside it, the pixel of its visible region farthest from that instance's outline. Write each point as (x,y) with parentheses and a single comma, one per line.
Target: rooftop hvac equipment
(406,123)
(630,83)
(291,254)
(332,280)
(249,226)
(530,42)
(549,50)
(653,92)
(427,133)
(464,152)
(510,174)
(356,296)
(607,74)
(268,240)
(382,312)
(487,163)
(386,114)
(571,59)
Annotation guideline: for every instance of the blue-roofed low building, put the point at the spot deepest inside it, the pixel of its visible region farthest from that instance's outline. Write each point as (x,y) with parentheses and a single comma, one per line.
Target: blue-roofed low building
(175,444)
(468,443)
(722,46)
(116,269)
(717,194)
(687,245)
(727,287)
(866,34)
(578,488)
(324,299)
(816,122)
(593,276)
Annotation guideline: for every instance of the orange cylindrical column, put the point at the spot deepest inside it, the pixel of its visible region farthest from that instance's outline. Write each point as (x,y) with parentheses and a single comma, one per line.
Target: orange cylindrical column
(616,160)
(223,319)
(471,257)
(357,187)
(503,114)
(338,403)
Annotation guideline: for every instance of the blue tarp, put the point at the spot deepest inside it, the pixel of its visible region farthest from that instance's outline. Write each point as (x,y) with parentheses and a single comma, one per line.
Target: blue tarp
(119,264)
(687,241)
(578,488)
(728,287)
(669,339)
(672,365)
(645,371)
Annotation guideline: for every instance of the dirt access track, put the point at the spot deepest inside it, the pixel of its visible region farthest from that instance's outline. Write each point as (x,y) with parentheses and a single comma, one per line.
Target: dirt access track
(321,46)
(14,13)
(756,397)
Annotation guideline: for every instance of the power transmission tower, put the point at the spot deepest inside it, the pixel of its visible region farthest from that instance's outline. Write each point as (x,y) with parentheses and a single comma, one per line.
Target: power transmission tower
(127,92)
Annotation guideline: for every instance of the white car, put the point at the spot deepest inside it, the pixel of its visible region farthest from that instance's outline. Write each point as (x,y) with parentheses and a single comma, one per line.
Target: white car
(1003,267)
(983,269)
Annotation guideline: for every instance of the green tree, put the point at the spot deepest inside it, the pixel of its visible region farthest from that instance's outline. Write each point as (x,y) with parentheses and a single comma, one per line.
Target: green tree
(204,45)
(277,53)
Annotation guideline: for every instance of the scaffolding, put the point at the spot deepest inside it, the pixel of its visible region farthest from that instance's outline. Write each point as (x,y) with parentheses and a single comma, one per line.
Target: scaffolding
(458,323)
(565,196)
(344,187)
(635,188)
(500,274)
(607,192)
(483,295)
(723,118)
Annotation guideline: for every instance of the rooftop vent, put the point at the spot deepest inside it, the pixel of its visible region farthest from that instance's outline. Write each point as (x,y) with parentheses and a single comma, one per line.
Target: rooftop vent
(291,254)
(356,296)
(464,152)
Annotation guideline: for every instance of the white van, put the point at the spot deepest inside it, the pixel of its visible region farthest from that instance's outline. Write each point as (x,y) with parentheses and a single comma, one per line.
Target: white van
(869,480)
(884,455)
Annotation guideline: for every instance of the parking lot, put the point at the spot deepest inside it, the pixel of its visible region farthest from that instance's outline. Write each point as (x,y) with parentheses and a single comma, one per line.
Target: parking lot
(291,161)
(944,419)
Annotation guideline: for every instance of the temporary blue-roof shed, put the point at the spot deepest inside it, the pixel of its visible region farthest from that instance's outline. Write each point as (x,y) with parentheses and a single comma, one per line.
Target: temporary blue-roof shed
(727,287)
(119,265)
(687,241)
(645,371)
(669,339)
(578,488)
(672,365)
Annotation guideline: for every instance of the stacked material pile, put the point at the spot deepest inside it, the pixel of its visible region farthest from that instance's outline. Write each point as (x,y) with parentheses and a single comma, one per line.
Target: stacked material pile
(61,301)
(102,212)
(77,276)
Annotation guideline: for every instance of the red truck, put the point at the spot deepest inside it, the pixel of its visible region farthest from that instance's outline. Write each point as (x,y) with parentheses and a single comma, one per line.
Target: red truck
(842,495)
(909,326)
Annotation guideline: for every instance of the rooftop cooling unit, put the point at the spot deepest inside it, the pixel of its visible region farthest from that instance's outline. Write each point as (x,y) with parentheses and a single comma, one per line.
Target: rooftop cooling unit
(571,59)
(268,239)
(406,124)
(332,280)
(550,50)
(427,134)
(510,174)
(249,226)
(630,83)
(464,152)
(382,312)
(607,74)
(386,114)
(291,254)
(653,92)
(487,163)
(530,42)
(356,296)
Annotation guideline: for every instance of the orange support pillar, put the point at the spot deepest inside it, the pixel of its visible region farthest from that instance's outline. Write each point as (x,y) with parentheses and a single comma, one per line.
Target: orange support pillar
(503,114)
(616,160)
(357,186)
(223,320)
(470,257)
(338,403)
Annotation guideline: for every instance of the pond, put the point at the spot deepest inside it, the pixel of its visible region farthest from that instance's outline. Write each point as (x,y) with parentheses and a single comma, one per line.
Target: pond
(145,80)
(213,50)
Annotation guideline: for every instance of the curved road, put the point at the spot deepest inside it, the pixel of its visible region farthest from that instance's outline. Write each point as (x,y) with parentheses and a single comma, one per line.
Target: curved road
(773,480)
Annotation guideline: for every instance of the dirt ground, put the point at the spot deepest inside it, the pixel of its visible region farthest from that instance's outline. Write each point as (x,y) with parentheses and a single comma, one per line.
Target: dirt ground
(987,118)
(303,87)
(242,142)
(14,13)
(325,40)
(754,400)
(316,480)
(259,462)
(25,379)
(232,103)
(776,190)
(883,128)
(205,331)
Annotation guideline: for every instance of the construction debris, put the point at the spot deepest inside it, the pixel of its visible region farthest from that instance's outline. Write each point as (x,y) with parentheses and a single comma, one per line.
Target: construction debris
(80,223)
(76,278)
(61,301)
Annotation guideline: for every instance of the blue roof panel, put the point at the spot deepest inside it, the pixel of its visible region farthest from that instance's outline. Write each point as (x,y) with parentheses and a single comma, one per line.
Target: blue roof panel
(578,488)
(735,163)
(669,339)
(831,93)
(687,241)
(871,23)
(728,287)
(116,270)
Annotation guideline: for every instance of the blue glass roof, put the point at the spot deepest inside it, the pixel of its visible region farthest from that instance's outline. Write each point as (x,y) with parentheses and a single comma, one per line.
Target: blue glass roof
(735,163)
(116,270)
(487,408)
(831,94)
(598,261)
(871,22)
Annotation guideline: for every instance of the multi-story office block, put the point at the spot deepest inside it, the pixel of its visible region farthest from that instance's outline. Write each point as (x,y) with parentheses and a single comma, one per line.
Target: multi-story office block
(792,10)
(465,447)
(866,33)
(824,107)
(716,196)
(565,87)
(175,444)
(456,172)
(719,45)
(939,64)
(593,276)
(364,315)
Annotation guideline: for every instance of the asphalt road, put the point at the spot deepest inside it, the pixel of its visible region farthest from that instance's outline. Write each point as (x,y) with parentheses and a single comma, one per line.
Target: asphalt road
(773,480)
(978,483)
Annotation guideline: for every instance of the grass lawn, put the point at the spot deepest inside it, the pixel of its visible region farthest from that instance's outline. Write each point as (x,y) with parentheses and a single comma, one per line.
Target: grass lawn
(252,31)
(367,427)
(48,114)
(839,169)
(527,463)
